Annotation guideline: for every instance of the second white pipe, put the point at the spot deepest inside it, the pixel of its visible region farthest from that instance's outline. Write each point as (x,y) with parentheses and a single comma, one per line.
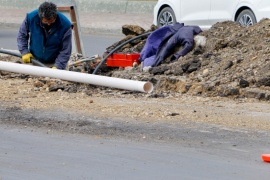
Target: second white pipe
(119,83)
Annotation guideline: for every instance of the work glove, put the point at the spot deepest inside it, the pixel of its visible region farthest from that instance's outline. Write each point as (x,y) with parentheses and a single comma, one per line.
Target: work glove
(27,58)
(54,67)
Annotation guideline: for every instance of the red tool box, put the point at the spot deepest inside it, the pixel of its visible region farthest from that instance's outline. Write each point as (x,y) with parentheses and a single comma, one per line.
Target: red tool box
(123,60)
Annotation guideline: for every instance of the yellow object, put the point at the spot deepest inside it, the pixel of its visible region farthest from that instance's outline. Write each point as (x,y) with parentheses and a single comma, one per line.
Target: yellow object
(27,58)
(54,67)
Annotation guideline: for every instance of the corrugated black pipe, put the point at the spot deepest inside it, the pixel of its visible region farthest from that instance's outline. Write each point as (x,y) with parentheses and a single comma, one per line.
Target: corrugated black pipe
(35,62)
(118,47)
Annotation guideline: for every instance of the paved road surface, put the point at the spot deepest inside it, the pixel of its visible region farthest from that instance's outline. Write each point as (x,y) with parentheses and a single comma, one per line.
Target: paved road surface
(31,155)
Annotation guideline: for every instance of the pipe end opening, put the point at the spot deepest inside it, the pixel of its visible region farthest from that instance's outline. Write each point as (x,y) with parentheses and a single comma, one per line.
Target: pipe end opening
(148,87)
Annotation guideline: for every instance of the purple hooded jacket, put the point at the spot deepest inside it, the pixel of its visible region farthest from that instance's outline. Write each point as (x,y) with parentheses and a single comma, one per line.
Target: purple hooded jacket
(162,42)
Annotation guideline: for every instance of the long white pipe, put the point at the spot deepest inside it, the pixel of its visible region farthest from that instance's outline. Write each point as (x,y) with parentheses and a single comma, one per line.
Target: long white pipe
(78,77)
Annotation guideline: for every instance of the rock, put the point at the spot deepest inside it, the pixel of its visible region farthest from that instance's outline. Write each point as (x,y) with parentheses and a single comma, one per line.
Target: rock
(38,84)
(205,72)
(158,70)
(132,30)
(56,88)
(243,83)
(265,81)
(228,65)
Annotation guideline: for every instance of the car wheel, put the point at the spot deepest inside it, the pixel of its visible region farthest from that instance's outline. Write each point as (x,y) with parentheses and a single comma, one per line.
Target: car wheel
(166,17)
(246,18)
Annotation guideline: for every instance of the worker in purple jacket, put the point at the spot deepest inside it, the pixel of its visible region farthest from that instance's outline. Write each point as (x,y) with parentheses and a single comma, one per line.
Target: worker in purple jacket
(46,35)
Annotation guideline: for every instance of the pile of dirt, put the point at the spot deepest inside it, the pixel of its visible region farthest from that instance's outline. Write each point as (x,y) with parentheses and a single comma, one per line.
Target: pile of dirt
(234,62)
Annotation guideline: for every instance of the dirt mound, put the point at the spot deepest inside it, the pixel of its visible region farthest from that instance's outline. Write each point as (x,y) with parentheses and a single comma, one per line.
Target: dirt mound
(234,62)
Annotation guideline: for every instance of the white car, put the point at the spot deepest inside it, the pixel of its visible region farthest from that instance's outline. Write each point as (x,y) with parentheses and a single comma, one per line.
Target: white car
(205,13)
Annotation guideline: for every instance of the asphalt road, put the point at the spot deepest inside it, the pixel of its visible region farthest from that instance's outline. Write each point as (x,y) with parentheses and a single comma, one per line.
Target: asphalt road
(93,44)
(39,154)
(115,150)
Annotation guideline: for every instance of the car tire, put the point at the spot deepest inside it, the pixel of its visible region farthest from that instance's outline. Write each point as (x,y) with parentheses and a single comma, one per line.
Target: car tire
(166,17)
(246,18)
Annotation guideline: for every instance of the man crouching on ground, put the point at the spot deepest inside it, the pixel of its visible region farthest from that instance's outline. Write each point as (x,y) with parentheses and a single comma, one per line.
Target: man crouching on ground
(46,35)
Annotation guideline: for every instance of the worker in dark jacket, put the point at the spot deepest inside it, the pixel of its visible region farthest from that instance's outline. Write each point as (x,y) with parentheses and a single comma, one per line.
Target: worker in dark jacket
(46,35)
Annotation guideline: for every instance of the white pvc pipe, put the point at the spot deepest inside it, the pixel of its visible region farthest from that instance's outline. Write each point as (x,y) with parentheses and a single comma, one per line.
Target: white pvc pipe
(78,77)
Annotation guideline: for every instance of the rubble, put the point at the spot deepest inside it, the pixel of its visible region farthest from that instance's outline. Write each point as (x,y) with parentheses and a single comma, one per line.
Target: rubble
(233,62)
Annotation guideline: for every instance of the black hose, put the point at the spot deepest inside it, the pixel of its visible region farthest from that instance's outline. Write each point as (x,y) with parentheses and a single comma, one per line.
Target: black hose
(118,47)
(10,53)
(34,61)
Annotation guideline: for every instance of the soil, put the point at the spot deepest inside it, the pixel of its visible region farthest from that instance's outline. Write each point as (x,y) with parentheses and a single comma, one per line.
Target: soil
(224,84)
